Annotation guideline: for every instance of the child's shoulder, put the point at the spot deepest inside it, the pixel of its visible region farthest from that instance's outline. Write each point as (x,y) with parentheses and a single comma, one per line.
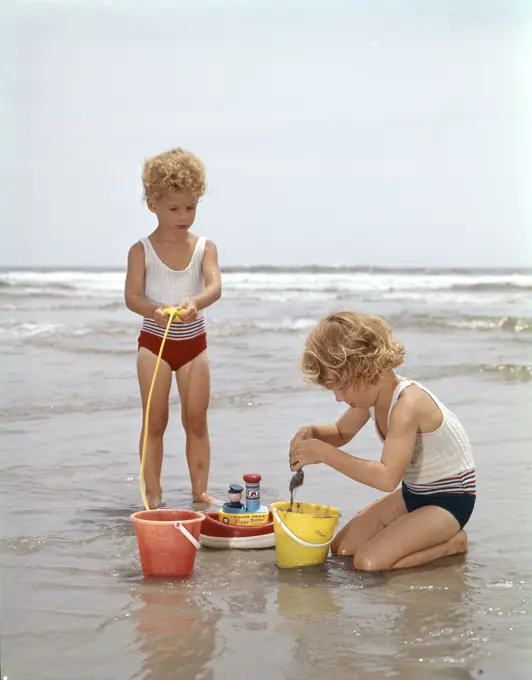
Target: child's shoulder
(210,245)
(206,239)
(415,403)
(411,399)
(136,256)
(137,248)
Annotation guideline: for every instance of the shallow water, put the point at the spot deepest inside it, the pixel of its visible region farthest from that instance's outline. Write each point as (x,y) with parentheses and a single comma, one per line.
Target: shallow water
(72,590)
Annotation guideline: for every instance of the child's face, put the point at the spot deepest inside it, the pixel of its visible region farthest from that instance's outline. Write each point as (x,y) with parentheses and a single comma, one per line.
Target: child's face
(358,395)
(175,210)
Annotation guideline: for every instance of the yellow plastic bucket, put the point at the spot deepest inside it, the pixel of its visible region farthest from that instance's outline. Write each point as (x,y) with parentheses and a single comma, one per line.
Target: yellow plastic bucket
(303,537)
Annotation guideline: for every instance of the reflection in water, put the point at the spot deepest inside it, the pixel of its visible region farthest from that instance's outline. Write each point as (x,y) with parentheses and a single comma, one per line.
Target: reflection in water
(303,593)
(379,630)
(240,609)
(176,631)
(435,621)
(304,601)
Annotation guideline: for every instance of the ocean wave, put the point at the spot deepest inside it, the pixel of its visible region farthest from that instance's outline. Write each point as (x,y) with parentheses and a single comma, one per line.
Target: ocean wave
(238,328)
(62,305)
(334,283)
(44,332)
(371,269)
(510,324)
(279,281)
(30,330)
(404,320)
(509,372)
(494,286)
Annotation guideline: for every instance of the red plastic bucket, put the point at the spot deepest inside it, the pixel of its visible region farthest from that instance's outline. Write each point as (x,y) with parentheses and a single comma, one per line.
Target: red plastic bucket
(168,541)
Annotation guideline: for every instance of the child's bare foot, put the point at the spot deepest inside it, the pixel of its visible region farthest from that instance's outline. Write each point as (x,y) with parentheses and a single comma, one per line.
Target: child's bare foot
(458,544)
(205,498)
(155,500)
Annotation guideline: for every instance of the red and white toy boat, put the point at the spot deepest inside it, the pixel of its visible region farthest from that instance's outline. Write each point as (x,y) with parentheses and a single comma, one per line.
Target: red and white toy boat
(247,526)
(216,534)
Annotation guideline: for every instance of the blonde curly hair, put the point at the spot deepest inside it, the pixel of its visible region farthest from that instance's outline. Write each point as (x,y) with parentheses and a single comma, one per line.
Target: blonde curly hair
(347,348)
(174,170)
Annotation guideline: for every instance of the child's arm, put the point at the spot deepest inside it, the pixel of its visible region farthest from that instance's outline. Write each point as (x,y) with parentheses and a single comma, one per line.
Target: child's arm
(335,434)
(213,284)
(345,428)
(134,296)
(339,433)
(385,474)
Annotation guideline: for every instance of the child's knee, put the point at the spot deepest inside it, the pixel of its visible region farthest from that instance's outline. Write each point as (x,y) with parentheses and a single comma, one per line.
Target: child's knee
(196,424)
(339,545)
(157,423)
(364,560)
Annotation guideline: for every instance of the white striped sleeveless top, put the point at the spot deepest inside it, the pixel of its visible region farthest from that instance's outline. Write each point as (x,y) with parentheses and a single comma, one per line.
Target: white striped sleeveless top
(165,286)
(443,460)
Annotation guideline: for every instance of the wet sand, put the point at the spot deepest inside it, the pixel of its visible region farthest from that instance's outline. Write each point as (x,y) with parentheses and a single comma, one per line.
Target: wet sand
(74,603)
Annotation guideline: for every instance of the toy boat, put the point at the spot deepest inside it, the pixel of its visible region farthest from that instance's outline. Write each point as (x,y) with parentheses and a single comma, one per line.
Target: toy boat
(216,534)
(245,525)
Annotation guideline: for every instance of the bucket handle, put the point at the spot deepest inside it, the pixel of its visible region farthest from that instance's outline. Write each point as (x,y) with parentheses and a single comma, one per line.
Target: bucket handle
(186,533)
(296,538)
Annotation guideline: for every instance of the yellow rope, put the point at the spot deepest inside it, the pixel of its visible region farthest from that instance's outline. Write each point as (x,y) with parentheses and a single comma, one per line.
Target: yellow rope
(172,312)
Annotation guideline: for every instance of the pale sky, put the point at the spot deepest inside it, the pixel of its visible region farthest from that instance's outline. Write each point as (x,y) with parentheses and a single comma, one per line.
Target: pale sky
(394,133)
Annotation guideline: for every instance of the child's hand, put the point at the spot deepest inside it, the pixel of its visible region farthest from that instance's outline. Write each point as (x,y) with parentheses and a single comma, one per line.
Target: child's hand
(190,312)
(306,452)
(306,432)
(160,318)
(301,435)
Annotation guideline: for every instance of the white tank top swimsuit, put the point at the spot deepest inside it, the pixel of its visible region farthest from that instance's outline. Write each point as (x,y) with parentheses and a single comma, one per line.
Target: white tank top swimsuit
(443,460)
(165,286)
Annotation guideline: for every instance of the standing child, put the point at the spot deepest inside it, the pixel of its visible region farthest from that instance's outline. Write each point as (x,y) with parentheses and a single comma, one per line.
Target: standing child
(174,268)
(424,446)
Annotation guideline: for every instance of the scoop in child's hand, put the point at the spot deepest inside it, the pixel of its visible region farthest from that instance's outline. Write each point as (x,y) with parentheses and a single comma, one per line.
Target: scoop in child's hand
(296,481)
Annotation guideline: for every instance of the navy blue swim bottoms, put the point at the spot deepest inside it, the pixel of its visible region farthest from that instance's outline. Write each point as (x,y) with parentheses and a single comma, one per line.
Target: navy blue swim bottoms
(460,505)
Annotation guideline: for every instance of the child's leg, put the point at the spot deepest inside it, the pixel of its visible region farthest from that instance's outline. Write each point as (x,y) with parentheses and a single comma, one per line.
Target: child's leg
(421,536)
(158,420)
(368,523)
(193,383)
(454,546)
